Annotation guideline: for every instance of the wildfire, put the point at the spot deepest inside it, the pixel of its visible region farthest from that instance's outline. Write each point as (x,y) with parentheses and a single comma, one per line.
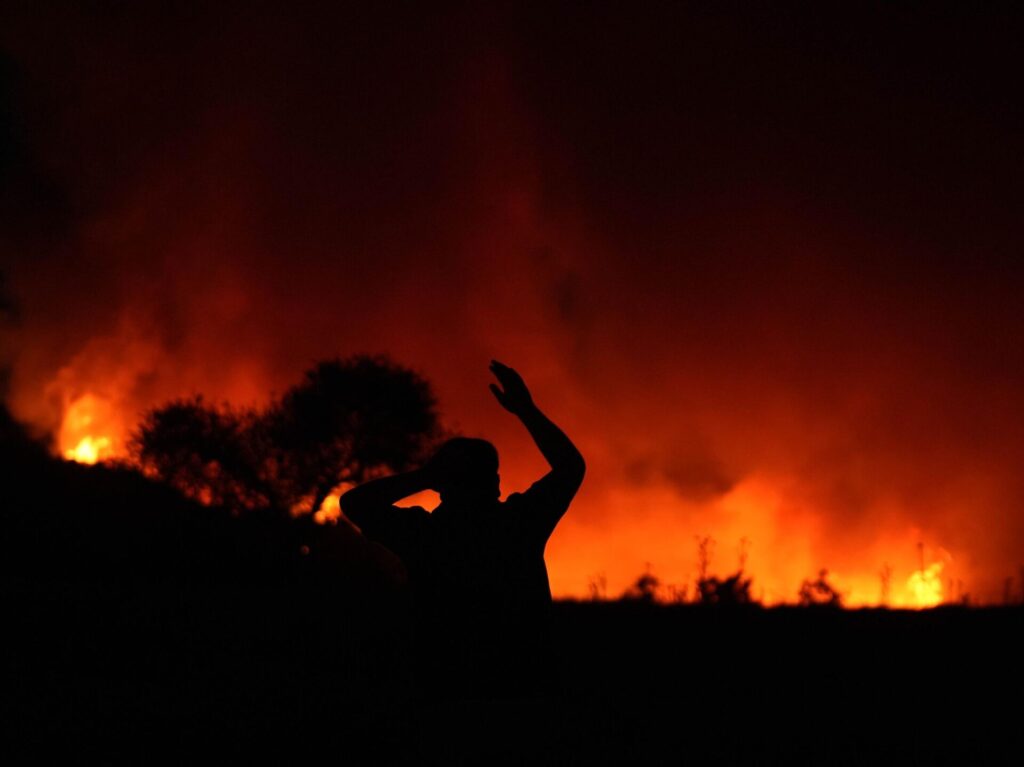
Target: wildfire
(925,586)
(92,431)
(90,450)
(86,433)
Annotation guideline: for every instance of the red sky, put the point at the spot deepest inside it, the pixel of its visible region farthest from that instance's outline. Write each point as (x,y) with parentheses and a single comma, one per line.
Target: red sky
(762,265)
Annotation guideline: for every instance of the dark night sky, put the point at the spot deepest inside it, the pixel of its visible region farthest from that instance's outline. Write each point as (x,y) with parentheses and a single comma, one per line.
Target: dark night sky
(763,264)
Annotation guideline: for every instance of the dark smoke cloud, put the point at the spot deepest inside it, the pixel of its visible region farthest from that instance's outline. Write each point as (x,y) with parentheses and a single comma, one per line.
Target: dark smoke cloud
(696,477)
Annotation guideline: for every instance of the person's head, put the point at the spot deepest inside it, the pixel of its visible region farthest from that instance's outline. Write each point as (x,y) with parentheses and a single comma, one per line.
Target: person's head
(466,471)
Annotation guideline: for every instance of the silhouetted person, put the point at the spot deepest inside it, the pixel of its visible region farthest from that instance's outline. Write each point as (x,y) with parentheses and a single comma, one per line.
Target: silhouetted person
(476,564)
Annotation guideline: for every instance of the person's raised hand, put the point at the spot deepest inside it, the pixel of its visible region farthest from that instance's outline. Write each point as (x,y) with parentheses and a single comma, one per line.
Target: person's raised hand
(512,394)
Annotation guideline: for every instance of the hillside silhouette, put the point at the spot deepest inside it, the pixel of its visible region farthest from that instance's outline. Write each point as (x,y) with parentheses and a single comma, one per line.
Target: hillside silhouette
(143,616)
(139,608)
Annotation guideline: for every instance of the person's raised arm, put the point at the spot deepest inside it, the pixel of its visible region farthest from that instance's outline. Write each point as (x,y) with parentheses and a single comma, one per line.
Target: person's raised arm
(366,502)
(567,464)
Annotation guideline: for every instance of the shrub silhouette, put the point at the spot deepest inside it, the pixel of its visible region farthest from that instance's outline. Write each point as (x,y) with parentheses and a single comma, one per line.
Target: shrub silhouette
(345,422)
(733,590)
(644,588)
(711,590)
(819,592)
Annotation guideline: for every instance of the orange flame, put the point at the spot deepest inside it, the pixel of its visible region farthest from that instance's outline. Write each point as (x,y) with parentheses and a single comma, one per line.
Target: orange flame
(925,586)
(85,435)
(89,450)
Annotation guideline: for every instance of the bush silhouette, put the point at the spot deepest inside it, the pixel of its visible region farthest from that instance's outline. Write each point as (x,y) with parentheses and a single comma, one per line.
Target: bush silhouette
(644,588)
(711,590)
(733,590)
(819,592)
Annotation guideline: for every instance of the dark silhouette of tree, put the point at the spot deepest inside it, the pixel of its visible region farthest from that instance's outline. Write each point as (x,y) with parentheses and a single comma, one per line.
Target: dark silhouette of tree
(208,452)
(819,592)
(348,420)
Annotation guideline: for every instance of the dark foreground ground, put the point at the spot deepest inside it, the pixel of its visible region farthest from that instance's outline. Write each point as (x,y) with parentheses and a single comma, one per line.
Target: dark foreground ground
(294,673)
(142,628)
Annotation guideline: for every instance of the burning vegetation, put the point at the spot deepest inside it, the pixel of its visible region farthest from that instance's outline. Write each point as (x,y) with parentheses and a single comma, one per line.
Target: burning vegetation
(351,419)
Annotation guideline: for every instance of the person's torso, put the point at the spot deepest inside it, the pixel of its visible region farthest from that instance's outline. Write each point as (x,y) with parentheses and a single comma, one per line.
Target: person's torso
(484,563)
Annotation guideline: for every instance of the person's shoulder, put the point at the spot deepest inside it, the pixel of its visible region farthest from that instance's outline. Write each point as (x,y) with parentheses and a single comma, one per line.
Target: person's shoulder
(525,499)
(544,502)
(544,489)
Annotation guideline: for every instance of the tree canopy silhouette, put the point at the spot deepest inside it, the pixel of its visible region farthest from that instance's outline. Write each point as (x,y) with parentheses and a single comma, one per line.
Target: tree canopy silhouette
(346,421)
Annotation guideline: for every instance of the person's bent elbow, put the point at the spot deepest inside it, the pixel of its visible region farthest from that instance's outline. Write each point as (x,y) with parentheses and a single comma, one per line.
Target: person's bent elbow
(354,511)
(576,468)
